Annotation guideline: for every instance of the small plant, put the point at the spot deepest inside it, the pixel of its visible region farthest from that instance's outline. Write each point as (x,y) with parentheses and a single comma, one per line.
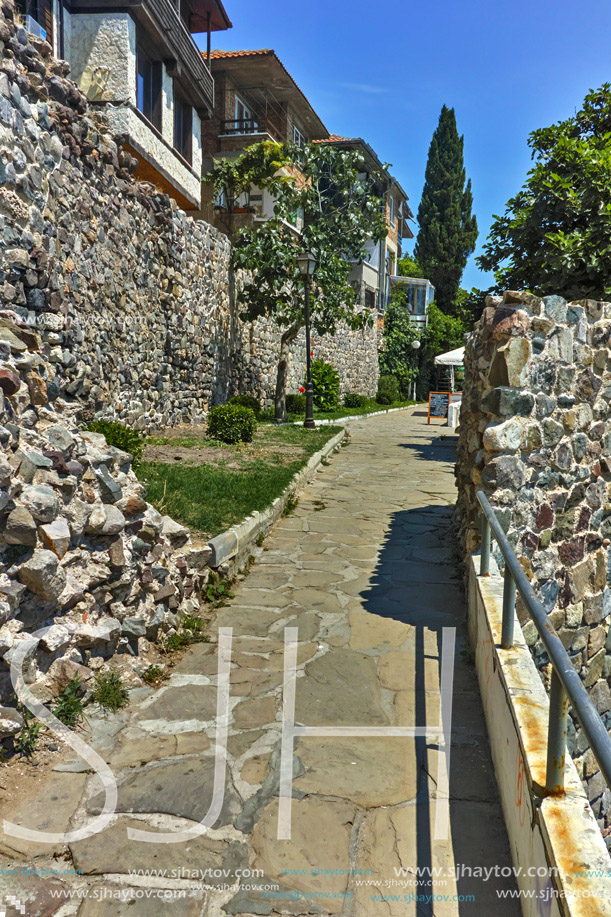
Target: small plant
(296,404)
(191,631)
(260,539)
(247,401)
(25,744)
(355,401)
(326,386)
(120,436)
(110,692)
(69,707)
(290,505)
(217,591)
(154,675)
(231,423)
(388,390)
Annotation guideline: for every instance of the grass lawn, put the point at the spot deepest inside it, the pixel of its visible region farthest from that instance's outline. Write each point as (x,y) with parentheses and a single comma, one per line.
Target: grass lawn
(209,486)
(370,408)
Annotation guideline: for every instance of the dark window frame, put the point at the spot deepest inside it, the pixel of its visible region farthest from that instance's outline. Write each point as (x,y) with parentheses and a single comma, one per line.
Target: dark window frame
(183,126)
(149,83)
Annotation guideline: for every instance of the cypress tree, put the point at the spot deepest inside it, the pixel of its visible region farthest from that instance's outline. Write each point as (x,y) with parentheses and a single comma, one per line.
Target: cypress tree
(447,229)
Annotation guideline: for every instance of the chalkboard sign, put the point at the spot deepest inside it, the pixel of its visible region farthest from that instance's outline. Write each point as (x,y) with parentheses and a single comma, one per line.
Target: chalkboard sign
(439,403)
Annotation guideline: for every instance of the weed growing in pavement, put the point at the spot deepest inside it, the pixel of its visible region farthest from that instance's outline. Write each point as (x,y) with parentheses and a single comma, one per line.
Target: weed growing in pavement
(25,744)
(290,505)
(110,692)
(154,675)
(70,706)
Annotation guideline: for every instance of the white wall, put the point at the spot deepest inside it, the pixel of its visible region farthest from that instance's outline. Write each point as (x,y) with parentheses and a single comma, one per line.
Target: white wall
(103,56)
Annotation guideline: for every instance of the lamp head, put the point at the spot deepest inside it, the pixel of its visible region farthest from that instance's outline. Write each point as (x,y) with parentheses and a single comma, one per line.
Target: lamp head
(416,345)
(307,264)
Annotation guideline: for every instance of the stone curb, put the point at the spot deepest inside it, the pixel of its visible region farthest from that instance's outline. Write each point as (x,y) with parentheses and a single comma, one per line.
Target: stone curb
(239,539)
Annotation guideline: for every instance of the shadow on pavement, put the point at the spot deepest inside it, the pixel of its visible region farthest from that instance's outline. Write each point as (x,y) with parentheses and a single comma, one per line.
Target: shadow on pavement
(417,582)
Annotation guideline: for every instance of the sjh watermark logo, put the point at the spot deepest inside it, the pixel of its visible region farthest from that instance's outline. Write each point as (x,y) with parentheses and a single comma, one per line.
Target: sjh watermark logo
(290,730)
(12,902)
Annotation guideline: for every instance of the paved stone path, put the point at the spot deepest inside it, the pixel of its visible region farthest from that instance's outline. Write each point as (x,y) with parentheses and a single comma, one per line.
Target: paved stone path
(364,570)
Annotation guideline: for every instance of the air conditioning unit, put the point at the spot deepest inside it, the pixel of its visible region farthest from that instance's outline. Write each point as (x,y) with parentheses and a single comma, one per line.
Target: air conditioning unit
(35,28)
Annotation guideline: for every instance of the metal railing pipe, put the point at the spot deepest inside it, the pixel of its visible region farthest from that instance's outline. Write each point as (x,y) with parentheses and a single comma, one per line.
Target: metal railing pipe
(565,680)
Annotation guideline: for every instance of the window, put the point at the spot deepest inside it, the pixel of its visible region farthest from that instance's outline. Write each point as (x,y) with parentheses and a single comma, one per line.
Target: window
(298,138)
(243,114)
(391,210)
(148,86)
(183,127)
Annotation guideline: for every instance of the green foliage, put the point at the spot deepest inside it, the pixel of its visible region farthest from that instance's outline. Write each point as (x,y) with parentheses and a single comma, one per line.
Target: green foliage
(25,743)
(110,692)
(296,404)
(448,231)
(443,333)
(333,203)
(555,234)
(190,631)
(231,423)
(291,505)
(398,358)
(388,390)
(120,436)
(69,708)
(154,675)
(407,266)
(247,401)
(352,400)
(217,591)
(325,379)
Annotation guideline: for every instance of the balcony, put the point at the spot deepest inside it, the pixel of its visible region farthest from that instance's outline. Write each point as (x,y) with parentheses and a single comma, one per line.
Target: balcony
(247,127)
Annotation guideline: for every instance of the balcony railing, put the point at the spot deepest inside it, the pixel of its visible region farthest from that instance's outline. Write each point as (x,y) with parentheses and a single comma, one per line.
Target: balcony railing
(241,126)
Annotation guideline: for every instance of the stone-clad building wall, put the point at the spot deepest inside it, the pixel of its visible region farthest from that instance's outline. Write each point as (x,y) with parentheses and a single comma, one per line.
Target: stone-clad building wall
(535,435)
(133,299)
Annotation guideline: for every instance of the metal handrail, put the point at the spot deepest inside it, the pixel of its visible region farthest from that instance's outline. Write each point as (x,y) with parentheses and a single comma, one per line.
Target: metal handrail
(566,685)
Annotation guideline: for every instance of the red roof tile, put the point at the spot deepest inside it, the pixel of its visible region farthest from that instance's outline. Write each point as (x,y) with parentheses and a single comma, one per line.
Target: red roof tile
(215,55)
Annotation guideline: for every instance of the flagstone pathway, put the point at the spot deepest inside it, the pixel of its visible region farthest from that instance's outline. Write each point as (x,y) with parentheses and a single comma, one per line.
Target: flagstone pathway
(364,570)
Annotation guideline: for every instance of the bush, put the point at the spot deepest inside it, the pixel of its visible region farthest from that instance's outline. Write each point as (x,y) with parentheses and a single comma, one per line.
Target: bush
(120,436)
(231,423)
(247,401)
(388,390)
(355,401)
(326,386)
(296,404)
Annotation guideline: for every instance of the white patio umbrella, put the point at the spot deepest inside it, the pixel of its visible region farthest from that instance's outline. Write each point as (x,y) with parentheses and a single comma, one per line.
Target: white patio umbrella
(452,358)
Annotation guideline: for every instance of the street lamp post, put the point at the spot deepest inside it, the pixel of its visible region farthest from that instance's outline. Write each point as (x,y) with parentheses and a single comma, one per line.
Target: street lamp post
(307,266)
(416,346)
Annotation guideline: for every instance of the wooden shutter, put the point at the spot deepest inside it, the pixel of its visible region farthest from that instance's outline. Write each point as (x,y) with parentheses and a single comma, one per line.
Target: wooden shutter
(45,18)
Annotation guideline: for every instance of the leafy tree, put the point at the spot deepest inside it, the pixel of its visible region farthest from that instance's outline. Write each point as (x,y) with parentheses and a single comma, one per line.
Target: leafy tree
(448,230)
(555,234)
(398,358)
(262,165)
(340,213)
(409,267)
(443,332)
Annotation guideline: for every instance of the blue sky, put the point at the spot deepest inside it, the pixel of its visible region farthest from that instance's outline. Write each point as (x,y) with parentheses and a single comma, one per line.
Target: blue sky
(383,70)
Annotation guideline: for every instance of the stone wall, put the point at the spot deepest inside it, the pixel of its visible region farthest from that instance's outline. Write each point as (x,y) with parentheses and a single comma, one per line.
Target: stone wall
(535,435)
(134,300)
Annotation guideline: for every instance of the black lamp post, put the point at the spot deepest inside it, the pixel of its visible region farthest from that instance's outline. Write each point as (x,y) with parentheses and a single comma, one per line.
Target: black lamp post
(307,266)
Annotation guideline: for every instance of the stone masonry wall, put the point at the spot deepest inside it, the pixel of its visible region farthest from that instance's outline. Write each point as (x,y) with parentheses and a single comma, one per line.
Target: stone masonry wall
(535,435)
(133,299)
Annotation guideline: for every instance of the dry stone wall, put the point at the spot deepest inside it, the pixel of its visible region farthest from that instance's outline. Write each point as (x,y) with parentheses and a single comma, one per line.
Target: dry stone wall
(134,300)
(535,435)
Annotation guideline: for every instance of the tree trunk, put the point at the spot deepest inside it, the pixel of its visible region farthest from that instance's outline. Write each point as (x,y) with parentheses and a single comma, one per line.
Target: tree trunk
(282,375)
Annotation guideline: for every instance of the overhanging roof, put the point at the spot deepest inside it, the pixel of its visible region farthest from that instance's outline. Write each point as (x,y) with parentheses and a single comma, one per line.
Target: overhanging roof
(219,20)
(263,70)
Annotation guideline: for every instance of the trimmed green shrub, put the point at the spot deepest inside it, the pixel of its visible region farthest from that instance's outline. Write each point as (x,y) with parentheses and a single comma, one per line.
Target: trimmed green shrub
(296,404)
(247,401)
(231,423)
(326,386)
(388,390)
(355,401)
(120,436)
